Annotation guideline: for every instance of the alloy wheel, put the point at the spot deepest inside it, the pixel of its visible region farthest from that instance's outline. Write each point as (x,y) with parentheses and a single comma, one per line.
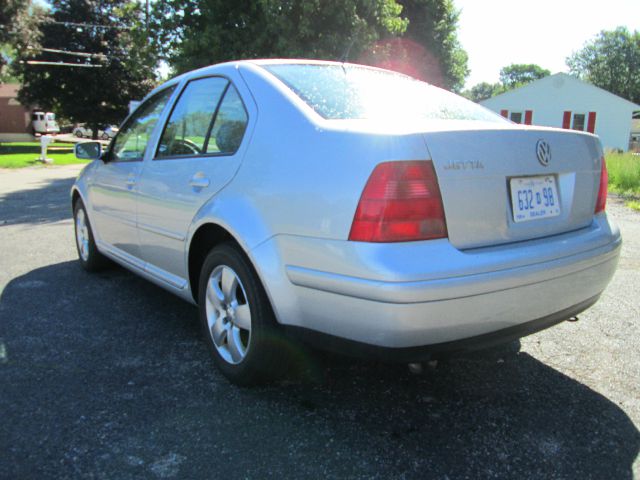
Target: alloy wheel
(82,234)
(228,314)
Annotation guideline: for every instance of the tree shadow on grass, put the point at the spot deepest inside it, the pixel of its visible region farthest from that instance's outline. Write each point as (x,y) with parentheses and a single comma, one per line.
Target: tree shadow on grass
(35,148)
(13,148)
(107,375)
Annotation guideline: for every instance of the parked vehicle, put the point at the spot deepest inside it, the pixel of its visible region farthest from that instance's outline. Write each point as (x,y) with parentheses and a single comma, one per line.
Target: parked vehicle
(44,122)
(353,207)
(105,133)
(109,132)
(81,131)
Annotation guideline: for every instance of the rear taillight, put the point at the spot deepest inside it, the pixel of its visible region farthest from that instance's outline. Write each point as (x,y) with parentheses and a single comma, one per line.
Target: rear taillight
(601,203)
(401,202)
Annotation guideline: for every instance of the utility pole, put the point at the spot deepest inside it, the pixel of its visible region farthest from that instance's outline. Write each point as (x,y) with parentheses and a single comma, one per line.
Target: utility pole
(147,17)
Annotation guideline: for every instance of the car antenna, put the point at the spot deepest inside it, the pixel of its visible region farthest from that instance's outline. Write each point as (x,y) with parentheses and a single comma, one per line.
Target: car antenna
(345,55)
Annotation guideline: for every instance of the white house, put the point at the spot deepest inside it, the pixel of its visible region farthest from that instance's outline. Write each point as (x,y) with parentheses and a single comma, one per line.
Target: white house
(561,100)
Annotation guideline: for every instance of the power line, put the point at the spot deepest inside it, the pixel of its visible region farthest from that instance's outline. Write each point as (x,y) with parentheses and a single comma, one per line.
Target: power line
(89,25)
(76,54)
(60,64)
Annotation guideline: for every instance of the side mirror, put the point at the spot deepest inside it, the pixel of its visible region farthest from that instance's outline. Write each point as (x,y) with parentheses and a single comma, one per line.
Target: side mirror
(88,150)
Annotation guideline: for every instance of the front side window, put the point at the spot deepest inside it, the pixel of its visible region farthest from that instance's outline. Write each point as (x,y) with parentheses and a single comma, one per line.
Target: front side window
(339,92)
(191,121)
(132,140)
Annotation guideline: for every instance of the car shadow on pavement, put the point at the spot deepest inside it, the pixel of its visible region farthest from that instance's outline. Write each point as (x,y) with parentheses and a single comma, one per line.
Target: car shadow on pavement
(48,203)
(106,375)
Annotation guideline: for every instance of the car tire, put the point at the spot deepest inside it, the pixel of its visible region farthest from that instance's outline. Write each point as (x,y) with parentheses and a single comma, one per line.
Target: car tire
(105,136)
(237,319)
(90,258)
(78,133)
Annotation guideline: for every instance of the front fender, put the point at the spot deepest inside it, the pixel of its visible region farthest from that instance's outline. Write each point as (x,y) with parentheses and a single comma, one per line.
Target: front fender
(81,185)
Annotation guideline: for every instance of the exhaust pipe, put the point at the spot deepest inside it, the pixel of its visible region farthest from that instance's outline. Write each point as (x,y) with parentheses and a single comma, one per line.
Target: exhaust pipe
(417,368)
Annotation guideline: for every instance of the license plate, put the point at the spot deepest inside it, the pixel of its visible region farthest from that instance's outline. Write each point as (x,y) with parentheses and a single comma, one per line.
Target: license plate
(534,197)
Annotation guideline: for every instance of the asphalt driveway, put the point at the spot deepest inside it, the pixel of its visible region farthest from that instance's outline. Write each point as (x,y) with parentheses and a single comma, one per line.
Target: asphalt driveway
(105,376)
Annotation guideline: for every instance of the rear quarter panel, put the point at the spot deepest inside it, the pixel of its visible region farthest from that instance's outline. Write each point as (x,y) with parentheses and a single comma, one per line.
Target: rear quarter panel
(303,175)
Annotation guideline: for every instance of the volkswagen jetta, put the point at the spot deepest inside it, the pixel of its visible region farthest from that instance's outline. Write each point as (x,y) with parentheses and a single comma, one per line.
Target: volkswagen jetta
(353,207)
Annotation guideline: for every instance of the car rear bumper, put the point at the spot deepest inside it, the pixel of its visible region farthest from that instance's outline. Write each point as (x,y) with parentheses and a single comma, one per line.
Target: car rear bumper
(435,350)
(430,293)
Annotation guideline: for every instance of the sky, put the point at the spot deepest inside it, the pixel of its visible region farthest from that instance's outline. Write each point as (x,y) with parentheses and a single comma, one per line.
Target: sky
(497,33)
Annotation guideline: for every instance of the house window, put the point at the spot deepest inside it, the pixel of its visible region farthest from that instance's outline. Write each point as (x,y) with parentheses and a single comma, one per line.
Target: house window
(516,117)
(578,121)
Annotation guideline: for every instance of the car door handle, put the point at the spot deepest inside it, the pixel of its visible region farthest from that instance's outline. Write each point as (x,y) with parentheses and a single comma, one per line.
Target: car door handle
(131,180)
(199,181)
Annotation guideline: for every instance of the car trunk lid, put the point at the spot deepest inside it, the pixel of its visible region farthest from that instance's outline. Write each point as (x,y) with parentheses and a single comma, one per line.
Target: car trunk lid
(475,168)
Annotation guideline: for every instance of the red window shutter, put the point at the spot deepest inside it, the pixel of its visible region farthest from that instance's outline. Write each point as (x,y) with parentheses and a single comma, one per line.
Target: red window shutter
(504,113)
(528,117)
(591,123)
(566,120)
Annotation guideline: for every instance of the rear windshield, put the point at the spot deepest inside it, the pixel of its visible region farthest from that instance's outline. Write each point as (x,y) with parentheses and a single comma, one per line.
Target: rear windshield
(341,92)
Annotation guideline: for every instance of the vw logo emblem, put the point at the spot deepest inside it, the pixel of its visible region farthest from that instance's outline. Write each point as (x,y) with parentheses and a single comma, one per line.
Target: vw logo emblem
(543,151)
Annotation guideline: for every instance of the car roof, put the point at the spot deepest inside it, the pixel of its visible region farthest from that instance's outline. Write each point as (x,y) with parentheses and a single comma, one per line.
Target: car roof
(221,68)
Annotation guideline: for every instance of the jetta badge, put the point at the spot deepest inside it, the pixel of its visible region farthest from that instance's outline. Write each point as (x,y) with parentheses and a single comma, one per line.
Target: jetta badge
(543,151)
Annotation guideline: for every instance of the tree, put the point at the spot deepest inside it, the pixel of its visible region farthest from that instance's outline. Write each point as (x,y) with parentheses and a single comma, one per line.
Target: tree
(114,35)
(194,33)
(483,90)
(511,76)
(433,24)
(611,61)
(518,74)
(18,25)
(12,13)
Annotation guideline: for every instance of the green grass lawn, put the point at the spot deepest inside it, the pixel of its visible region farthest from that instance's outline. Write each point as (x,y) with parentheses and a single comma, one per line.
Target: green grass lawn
(25,154)
(624,172)
(624,177)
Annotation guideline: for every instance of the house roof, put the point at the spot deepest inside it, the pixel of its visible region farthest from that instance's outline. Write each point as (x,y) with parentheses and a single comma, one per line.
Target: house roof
(567,78)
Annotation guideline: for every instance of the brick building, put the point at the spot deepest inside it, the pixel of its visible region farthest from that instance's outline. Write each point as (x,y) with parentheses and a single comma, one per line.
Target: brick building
(15,119)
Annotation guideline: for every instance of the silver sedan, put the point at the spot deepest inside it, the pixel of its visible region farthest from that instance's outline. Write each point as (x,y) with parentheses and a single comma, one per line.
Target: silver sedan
(352,207)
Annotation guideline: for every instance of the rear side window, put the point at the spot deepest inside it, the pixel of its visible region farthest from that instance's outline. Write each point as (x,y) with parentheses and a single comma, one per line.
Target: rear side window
(131,142)
(192,118)
(340,92)
(230,124)
(208,119)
